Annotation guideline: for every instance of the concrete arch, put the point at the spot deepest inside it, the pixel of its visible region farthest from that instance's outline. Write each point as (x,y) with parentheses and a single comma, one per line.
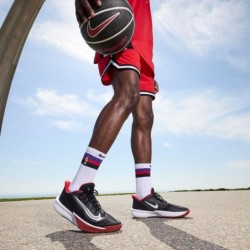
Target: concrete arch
(13,34)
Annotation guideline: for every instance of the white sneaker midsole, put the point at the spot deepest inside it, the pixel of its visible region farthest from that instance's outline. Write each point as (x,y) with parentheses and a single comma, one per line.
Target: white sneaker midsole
(156,213)
(63,211)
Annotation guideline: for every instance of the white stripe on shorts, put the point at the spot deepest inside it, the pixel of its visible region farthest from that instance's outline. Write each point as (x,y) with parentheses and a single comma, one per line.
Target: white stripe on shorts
(116,65)
(147,93)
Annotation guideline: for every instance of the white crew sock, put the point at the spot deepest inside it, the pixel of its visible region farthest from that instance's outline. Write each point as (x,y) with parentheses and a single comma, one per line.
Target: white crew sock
(91,161)
(143,179)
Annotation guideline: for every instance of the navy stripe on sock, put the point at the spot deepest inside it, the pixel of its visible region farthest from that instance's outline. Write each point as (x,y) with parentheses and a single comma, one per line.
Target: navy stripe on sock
(142,172)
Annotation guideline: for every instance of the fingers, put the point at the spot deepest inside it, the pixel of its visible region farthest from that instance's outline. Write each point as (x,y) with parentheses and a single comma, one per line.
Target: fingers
(98,3)
(156,87)
(84,11)
(80,13)
(88,9)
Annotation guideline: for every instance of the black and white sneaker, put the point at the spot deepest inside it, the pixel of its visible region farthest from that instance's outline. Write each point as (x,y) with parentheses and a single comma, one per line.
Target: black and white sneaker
(83,210)
(154,205)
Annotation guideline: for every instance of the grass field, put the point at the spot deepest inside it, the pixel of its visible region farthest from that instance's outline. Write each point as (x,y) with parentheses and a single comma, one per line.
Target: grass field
(52,197)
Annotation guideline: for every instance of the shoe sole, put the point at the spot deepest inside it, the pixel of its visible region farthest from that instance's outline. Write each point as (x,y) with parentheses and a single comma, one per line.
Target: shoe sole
(79,222)
(158,213)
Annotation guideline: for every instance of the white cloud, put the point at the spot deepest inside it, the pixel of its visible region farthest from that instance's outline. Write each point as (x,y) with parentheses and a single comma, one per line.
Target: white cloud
(215,28)
(62,32)
(203,113)
(65,111)
(238,164)
(50,103)
(69,125)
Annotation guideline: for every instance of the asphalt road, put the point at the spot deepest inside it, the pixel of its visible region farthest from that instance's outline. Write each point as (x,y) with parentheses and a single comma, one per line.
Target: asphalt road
(218,220)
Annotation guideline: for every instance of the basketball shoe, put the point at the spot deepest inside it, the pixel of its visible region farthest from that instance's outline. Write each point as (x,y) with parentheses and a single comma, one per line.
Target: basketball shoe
(154,205)
(83,210)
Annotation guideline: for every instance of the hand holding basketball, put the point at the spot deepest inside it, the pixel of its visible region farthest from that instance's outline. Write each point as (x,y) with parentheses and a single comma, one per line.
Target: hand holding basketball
(109,28)
(84,10)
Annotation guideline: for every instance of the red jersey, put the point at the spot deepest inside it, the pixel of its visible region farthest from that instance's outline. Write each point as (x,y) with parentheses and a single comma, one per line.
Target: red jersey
(142,40)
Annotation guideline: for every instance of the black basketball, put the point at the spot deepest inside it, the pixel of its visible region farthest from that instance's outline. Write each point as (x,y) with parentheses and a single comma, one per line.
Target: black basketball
(112,27)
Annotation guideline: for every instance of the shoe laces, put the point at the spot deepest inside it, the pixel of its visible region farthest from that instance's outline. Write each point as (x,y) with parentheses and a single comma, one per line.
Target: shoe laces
(159,197)
(90,196)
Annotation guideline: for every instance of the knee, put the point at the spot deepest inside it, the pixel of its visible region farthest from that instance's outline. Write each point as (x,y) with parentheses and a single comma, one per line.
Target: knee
(128,98)
(132,99)
(144,119)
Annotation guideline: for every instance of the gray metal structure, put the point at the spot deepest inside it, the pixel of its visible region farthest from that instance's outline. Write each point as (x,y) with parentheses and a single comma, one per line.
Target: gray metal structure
(13,34)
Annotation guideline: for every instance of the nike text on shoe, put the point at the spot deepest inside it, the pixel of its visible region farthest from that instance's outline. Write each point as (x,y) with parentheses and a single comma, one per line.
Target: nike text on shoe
(83,210)
(154,205)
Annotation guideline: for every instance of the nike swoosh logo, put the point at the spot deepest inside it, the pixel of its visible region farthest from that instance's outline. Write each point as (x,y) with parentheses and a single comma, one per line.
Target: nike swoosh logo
(102,156)
(151,205)
(92,216)
(93,32)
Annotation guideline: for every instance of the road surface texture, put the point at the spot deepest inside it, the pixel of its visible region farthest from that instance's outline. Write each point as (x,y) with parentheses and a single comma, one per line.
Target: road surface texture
(218,220)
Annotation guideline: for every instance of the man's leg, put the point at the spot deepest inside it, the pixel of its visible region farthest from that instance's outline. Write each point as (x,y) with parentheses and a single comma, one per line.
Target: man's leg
(126,96)
(143,118)
(108,124)
(147,203)
(141,145)
(78,203)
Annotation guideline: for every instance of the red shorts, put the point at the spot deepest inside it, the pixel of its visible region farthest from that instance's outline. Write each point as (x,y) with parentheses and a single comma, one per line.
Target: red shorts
(127,59)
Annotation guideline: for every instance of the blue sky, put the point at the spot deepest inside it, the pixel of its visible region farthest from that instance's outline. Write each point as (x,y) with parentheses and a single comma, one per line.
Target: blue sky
(201,135)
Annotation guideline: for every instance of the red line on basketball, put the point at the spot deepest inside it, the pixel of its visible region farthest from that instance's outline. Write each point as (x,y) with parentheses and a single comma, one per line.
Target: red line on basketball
(111,29)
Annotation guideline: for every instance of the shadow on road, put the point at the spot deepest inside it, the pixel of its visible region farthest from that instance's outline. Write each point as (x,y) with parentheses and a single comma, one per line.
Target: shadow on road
(72,239)
(171,236)
(176,238)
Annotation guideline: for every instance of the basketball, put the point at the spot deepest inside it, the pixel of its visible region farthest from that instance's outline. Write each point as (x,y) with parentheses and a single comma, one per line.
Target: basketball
(112,27)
